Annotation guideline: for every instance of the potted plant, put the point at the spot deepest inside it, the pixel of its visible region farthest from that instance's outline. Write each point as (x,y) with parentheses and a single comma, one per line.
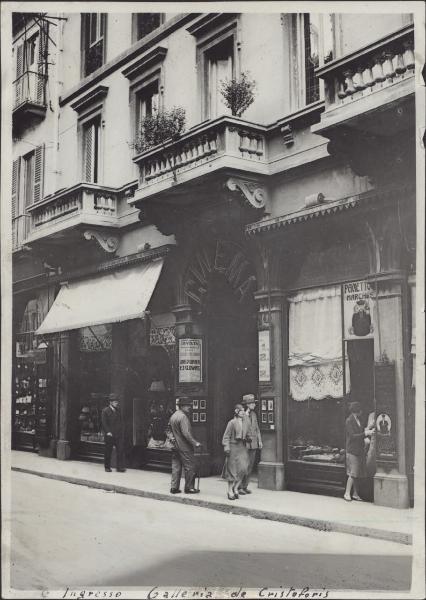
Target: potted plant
(238,94)
(160,126)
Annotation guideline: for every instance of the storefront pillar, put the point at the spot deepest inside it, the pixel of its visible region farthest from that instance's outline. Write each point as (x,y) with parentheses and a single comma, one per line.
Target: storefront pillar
(272,326)
(391,482)
(66,368)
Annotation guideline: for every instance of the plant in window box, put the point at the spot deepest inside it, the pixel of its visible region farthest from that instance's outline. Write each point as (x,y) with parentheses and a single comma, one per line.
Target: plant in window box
(238,94)
(159,127)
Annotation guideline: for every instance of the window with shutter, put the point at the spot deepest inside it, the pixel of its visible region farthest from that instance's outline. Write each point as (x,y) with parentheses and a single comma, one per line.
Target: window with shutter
(15,200)
(91,151)
(19,91)
(37,194)
(42,60)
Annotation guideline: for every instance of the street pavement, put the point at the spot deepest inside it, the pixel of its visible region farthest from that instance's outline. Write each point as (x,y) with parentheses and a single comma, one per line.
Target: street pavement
(319,512)
(65,535)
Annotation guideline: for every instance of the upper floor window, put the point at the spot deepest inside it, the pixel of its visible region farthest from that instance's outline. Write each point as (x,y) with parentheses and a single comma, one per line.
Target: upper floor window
(91,150)
(219,65)
(147,102)
(144,23)
(318,38)
(93,41)
(27,189)
(311,39)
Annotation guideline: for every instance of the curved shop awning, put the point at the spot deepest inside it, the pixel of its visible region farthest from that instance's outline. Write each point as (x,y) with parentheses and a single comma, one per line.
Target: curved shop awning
(112,298)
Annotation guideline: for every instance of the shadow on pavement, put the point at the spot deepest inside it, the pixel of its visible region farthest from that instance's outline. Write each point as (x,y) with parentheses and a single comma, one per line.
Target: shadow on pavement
(256,570)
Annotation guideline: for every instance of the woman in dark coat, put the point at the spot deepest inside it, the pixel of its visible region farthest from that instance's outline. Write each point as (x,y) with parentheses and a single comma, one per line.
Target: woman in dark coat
(237,460)
(355,451)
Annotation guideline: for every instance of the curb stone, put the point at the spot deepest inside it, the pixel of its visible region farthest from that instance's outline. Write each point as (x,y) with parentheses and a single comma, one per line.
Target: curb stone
(318,524)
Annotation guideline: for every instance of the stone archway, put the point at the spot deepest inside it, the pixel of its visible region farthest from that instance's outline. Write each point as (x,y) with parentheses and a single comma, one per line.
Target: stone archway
(219,285)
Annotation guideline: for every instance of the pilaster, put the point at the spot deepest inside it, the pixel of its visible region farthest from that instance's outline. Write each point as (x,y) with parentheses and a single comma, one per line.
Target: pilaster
(272,319)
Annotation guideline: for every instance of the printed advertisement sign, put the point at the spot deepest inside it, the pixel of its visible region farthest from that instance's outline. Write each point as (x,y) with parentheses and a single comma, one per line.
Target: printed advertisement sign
(359,299)
(190,360)
(264,356)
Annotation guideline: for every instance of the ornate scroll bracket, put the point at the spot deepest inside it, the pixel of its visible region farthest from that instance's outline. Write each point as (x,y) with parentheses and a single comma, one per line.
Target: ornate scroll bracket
(109,243)
(255,193)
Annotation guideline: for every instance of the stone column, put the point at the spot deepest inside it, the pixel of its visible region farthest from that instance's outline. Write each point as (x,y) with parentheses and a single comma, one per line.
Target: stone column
(273,318)
(66,373)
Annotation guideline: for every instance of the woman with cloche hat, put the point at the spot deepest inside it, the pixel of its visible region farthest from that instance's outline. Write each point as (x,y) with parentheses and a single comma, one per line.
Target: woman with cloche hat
(237,457)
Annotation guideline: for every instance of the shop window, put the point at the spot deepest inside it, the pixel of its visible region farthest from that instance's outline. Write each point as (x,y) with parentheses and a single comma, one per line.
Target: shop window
(219,65)
(95,372)
(316,376)
(321,378)
(93,29)
(91,151)
(145,23)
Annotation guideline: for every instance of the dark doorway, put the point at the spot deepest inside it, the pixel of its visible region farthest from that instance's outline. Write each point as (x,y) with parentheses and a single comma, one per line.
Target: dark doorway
(232,357)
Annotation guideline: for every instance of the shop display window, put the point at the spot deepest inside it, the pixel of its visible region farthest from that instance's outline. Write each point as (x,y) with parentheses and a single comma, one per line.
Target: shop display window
(316,377)
(25,395)
(94,389)
(161,406)
(321,381)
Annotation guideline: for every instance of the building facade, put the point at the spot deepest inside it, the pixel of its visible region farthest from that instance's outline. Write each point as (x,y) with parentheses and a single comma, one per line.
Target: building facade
(267,250)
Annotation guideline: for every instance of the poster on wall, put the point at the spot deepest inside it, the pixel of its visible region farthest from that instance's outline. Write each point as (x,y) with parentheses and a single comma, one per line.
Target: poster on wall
(359,298)
(190,360)
(264,356)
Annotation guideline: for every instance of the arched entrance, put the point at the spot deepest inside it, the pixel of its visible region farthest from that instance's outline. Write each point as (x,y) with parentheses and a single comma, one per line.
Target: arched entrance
(219,286)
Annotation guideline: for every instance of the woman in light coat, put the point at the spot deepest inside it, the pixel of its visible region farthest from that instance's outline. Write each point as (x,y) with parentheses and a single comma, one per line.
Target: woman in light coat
(237,460)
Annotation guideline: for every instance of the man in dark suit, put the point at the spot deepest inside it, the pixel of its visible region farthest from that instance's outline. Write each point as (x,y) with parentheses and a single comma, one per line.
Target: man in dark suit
(112,424)
(184,445)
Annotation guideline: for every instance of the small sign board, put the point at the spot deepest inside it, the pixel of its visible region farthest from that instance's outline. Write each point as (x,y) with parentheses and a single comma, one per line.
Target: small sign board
(358,309)
(190,360)
(264,355)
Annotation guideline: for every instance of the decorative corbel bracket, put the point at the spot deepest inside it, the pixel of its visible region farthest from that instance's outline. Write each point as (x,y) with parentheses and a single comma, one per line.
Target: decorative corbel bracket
(255,193)
(109,243)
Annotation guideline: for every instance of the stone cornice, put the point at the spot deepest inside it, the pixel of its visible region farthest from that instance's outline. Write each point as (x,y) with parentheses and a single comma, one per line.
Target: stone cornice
(148,60)
(97,93)
(327,209)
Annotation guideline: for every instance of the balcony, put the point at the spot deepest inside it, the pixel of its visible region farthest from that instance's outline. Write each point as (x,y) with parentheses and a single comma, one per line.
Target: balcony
(176,167)
(62,215)
(29,97)
(372,89)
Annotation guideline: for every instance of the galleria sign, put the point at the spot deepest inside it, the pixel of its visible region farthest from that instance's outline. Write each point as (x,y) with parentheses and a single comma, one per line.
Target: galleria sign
(225,258)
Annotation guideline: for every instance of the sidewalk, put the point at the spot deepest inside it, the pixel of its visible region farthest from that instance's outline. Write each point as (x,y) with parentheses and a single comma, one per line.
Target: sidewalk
(318,512)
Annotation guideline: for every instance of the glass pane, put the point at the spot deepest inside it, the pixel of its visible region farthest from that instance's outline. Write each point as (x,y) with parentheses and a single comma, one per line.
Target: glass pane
(93,28)
(147,22)
(316,430)
(95,368)
(311,25)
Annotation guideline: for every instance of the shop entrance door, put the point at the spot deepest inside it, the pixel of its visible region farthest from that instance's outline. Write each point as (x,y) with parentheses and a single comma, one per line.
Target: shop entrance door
(232,359)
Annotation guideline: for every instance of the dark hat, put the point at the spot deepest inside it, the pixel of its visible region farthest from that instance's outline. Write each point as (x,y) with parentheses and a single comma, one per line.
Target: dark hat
(184,401)
(248,399)
(112,397)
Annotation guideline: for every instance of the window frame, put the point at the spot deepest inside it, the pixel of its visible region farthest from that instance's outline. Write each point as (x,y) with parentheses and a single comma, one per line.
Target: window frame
(91,120)
(86,39)
(135,25)
(295,35)
(206,47)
